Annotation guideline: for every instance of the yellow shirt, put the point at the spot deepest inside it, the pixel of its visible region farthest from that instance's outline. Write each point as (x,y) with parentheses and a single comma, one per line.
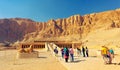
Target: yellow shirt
(104,51)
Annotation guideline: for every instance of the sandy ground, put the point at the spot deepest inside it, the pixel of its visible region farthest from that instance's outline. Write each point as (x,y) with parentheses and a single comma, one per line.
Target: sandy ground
(47,61)
(93,62)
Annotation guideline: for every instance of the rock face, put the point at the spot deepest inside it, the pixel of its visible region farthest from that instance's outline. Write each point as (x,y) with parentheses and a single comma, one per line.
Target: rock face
(75,27)
(12,30)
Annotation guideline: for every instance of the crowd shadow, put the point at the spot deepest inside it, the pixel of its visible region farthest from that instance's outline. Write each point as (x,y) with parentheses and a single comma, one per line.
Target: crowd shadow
(42,57)
(93,56)
(76,61)
(116,63)
(113,64)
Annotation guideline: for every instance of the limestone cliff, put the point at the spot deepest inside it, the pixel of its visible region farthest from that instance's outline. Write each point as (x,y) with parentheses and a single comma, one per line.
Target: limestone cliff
(73,28)
(12,30)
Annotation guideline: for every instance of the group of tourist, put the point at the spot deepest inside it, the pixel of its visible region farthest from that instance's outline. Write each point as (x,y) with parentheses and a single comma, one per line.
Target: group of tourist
(66,52)
(69,53)
(108,54)
(84,52)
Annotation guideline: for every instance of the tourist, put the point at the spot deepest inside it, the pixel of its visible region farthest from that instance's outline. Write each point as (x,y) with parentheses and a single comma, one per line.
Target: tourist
(62,52)
(86,49)
(83,51)
(106,55)
(56,51)
(111,55)
(78,51)
(66,54)
(71,54)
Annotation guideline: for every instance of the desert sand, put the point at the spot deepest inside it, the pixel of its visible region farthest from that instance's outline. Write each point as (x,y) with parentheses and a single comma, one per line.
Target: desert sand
(47,61)
(93,62)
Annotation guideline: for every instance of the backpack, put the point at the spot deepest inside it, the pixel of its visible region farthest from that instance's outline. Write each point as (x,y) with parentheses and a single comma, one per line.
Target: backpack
(56,51)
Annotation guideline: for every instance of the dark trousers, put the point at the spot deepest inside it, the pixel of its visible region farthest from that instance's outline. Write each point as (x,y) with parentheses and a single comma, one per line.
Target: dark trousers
(83,54)
(62,55)
(66,59)
(72,57)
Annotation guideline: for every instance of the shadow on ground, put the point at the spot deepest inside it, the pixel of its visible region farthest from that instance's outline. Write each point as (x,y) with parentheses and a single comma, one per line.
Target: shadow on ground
(42,57)
(76,61)
(113,64)
(93,56)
